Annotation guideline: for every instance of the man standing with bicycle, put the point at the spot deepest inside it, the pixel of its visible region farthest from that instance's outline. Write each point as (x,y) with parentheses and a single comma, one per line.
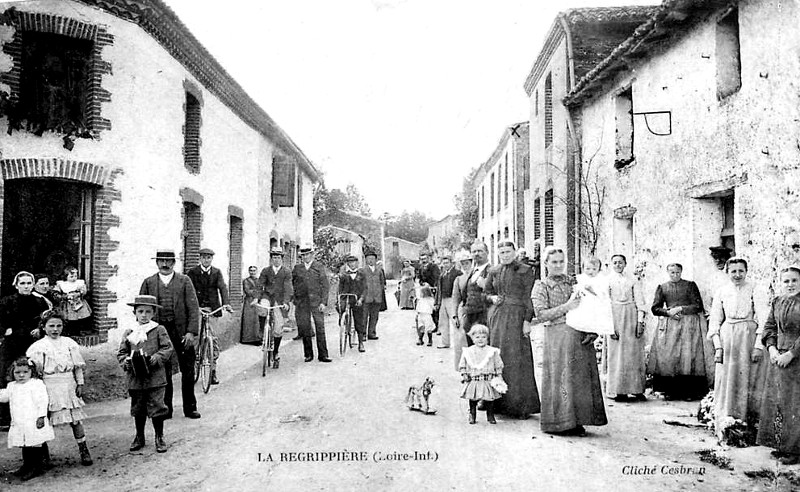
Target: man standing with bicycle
(310,282)
(275,284)
(210,288)
(352,287)
(179,314)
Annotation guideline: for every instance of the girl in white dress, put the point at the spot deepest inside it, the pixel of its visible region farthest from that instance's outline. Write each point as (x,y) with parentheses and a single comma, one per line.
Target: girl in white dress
(481,373)
(73,306)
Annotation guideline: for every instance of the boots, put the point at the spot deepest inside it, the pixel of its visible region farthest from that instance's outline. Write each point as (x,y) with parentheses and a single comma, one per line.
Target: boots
(214,379)
(421,342)
(489,406)
(158,426)
(473,409)
(32,458)
(46,465)
(86,458)
(276,343)
(430,339)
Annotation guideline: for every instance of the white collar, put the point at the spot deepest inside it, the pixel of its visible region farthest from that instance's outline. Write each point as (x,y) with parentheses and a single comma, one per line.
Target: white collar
(371,268)
(275,269)
(139,333)
(166,279)
(308,265)
(204,269)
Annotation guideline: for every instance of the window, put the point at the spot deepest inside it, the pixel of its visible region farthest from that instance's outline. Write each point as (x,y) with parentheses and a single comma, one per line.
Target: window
(537,218)
(548,218)
(491,248)
(729,63)
(491,195)
(299,194)
(235,239)
(727,236)
(624,122)
(54,81)
(483,201)
(505,233)
(526,172)
(548,110)
(283,181)
(191,134)
(505,184)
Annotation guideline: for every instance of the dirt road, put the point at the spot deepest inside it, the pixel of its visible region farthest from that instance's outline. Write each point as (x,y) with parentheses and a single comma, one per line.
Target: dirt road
(344,426)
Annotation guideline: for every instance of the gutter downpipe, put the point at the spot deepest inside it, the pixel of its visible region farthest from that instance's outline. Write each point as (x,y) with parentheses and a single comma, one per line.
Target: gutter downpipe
(576,147)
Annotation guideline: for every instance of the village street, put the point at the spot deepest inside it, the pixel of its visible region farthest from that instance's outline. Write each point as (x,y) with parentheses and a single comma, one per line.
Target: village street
(264,433)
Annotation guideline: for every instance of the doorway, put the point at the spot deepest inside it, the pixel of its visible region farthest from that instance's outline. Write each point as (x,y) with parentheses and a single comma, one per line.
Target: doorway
(47,225)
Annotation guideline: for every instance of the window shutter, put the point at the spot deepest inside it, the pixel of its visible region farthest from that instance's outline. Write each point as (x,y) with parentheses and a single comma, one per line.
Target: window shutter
(283,177)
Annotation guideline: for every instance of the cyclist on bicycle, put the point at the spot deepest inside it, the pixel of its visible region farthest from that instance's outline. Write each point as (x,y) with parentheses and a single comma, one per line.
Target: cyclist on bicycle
(352,281)
(275,284)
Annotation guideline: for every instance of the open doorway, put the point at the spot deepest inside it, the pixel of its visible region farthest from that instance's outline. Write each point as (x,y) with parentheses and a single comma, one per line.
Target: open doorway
(47,225)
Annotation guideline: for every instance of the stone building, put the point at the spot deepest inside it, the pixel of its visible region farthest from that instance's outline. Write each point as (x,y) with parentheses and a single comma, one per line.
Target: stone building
(397,250)
(500,184)
(351,242)
(577,40)
(444,236)
(122,135)
(692,124)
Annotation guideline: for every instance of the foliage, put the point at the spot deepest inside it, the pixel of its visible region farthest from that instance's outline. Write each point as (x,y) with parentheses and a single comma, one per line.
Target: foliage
(325,242)
(411,226)
(467,206)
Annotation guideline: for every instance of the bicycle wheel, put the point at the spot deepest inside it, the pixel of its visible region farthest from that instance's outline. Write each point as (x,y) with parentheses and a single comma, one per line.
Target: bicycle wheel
(350,329)
(205,367)
(343,335)
(198,356)
(266,348)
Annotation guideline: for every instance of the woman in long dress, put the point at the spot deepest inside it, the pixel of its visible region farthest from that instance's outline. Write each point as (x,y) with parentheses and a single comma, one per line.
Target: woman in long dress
(738,352)
(570,391)
(779,427)
(508,287)
(625,349)
(251,333)
(407,286)
(677,356)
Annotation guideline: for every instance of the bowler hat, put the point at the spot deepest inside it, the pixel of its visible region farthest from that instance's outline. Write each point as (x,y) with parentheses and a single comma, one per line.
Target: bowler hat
(206,251)
(165,254)
(351,258)
(276,252)
(370,252)
(144,300)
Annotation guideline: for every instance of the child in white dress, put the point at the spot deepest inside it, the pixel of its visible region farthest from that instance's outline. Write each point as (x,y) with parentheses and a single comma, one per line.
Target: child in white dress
(73,306)
(424,308)
(593,315)
(481,371)
(30,429)
(59,361)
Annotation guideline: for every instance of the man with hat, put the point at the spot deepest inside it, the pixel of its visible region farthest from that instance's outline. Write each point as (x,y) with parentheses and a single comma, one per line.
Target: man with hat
(275,284)
(310,282)
(375,294)
(353,283)
(210,288)
(444,299)
(180,315)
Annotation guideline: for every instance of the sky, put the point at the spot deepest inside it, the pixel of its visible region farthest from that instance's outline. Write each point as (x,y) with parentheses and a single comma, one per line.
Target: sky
(401,98)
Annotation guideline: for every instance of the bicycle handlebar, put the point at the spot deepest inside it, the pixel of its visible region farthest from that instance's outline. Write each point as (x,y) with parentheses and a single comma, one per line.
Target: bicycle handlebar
(205,311)
(348,295)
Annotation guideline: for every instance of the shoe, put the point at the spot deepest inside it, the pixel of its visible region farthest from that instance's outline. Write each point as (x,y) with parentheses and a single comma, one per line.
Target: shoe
(430,344)
(194,414)
(621,398)
(443,346)
(325,359)
(86,457)
(30,473)
(46,464)
(21,470)
(361,347)
(372,337)
(214,379)
(161,446)
(490,418)
(276,362)
(578,431)
(639,397)
(472,418)
(309,359)
(298,337)
(138,443)
(420,342)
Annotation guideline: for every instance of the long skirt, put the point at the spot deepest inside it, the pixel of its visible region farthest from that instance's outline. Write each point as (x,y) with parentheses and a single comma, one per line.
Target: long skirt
(570,385)
(505,333)
(779,427)
(739,383)
(677,348)
(407,293)
(459,339)
(625,356)
(251,332)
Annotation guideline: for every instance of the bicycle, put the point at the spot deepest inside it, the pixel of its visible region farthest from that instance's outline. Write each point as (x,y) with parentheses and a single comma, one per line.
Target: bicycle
(267,344)
(346,325)
(204,358)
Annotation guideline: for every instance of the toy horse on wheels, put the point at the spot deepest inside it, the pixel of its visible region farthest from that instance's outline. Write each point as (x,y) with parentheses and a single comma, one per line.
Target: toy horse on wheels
(418,397)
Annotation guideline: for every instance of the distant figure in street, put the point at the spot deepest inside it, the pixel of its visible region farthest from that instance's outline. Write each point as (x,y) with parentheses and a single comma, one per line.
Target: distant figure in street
(508,288)
(310,282)
(479,365)
(275,284)
(375,293)
(210,288)
(677,356)
(459,339)
(444,300)
(180,315)
(407,291)
(144,354)
(625,348)
(251,333)
(739,352)
(570,391)
(779,427)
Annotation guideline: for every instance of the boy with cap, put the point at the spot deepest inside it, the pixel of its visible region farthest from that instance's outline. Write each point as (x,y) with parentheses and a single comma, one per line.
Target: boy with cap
(352,287)
(143,353)
(275,284)
(210,287)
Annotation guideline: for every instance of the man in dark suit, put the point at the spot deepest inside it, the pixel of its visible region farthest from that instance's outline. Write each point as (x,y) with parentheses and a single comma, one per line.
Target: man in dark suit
(353,284)
(210,288)
(180,315)
(310,282)
(428,271)
(444,299)
(375,295)
(275,285)
(476,304)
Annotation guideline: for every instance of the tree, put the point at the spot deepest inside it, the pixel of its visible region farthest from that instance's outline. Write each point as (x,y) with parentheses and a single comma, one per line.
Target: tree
(467,206)
(411,226)
(325,244)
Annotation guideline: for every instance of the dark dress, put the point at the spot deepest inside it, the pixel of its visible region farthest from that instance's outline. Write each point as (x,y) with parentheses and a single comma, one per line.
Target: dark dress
(251,331)
(570,385)
(780,410)
(513,283)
